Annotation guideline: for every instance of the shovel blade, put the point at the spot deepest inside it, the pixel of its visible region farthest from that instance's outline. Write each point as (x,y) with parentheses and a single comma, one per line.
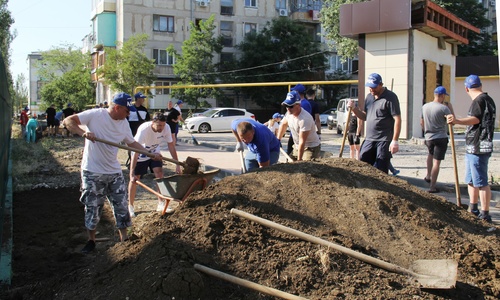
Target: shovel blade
(435,273)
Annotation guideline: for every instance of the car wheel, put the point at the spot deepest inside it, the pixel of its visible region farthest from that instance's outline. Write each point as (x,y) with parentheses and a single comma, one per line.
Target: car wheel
(204,128)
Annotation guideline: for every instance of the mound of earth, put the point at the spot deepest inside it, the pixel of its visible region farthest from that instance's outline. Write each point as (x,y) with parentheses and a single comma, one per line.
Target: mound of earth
(340,200)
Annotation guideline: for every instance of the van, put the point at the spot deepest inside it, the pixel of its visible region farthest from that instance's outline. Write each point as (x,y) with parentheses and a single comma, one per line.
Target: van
(342,112)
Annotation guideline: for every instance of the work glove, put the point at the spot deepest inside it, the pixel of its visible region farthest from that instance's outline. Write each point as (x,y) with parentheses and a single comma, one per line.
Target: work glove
(240,147)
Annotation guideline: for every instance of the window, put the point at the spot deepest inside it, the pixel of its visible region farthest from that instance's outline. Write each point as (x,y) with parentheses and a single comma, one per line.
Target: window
(280,4)
(250,28)
(231,113)
(250,3)
(163,23)
(336,63)
(226,7)
(163,91)
(226,31)
(162,57)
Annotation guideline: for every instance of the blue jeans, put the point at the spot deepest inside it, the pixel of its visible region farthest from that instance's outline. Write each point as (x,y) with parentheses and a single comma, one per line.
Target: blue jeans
(476,169)
(251,162)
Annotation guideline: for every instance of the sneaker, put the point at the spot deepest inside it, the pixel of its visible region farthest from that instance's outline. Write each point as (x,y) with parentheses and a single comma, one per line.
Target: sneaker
(396,172)
(131,211)
(487,218)
(89,247)
(169,210)
(475,212)
(160,206)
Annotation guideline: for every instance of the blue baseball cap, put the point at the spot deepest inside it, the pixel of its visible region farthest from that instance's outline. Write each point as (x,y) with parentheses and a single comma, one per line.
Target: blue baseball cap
(373,80)
(123,99)
(440,90)
(179,102)
(26,108)
(277,115)
(292,98)
(299,88)
(472,81)
(139,95)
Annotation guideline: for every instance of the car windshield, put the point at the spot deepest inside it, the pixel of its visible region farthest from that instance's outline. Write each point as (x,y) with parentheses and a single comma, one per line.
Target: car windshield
(209,113)
(329,111)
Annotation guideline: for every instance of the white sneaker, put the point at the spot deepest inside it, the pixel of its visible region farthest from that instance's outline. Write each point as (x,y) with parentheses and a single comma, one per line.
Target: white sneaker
(169,210)
(160,206)
(131,211)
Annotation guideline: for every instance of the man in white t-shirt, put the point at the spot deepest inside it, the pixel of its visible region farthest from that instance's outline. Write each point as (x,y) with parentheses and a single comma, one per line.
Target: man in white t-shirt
(307,144)
(102,176)
(150,135)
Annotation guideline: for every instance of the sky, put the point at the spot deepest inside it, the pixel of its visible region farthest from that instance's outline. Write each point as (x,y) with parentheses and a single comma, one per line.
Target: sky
(45,24)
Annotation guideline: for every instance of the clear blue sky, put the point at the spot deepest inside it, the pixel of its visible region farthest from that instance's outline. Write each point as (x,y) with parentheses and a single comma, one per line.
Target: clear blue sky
(45,24)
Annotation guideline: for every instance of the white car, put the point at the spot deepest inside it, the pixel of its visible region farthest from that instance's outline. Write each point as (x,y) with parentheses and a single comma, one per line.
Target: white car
(216,119)
(323,117)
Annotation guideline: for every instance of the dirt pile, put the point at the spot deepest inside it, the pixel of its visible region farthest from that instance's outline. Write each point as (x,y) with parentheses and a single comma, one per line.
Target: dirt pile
(340,200)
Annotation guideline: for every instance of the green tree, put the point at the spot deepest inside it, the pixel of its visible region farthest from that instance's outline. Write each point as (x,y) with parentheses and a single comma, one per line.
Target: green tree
(469,10)
(65,72)
(20,94)
(195,65)
(128,67)
(6,37)
(282,52)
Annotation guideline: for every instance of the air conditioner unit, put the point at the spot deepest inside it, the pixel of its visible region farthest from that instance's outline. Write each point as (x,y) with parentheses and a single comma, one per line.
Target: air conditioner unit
(203,3)
(283,12)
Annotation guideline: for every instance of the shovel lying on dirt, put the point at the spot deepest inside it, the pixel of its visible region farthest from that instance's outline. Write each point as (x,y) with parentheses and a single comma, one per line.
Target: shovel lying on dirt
(430,274)
(191,165)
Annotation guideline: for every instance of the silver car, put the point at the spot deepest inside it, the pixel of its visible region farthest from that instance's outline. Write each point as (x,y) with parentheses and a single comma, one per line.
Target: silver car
(216,119)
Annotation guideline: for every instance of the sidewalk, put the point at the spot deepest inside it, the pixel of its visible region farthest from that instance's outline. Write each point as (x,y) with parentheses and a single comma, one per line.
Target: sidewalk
(224,157)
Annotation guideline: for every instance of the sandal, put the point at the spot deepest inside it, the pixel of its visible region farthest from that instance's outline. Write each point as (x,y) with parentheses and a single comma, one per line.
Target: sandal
(427,180)
(432,191)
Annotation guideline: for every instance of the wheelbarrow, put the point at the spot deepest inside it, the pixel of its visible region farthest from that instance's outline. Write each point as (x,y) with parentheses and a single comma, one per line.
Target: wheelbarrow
(179,186)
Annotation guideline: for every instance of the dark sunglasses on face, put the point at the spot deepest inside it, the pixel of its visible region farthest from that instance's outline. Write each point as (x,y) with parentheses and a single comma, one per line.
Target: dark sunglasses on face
(290,107)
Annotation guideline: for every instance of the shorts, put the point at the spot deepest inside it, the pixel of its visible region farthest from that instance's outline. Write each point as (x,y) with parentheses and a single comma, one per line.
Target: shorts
(437,148)
(96,188)
(309,152)
(141,168)
(353,139)
(376,153)
(476,169)
(172,126)
(52,123)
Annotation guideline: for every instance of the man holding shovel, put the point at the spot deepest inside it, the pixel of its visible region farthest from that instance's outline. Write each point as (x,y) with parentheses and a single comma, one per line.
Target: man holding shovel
(150,135)
(102,176)
(434,125)
(480,123)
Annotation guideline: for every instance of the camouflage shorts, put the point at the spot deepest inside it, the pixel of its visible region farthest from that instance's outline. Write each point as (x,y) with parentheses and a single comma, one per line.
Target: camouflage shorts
(96,188)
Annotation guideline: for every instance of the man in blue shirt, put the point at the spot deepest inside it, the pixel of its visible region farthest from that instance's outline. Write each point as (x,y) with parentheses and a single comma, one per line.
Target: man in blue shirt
(263,145)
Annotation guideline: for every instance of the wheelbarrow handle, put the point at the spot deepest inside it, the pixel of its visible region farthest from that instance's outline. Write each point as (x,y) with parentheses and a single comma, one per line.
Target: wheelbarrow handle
(140,151)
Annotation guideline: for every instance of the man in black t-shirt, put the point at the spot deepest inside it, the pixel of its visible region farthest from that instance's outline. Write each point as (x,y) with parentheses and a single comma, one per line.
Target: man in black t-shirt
(51,120)
(480,123)
(138,113)
(172,119)
(382,115)
(68,111)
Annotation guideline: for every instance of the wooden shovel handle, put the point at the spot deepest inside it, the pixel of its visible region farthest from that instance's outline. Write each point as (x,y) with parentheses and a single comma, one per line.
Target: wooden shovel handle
(345,131)
(310,238)
(246,283)
(140,151)
(455,168)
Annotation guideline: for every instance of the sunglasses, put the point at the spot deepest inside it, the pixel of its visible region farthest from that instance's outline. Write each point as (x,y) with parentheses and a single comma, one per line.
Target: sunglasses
(290,107)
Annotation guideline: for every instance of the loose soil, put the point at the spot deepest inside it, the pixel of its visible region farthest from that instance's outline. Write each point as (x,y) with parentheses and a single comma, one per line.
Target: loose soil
(340,200)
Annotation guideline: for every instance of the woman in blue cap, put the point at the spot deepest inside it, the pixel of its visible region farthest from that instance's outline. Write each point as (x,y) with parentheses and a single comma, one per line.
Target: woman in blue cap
(274,123)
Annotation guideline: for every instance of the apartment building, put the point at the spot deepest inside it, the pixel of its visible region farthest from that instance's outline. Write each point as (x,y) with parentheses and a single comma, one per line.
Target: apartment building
(168,23)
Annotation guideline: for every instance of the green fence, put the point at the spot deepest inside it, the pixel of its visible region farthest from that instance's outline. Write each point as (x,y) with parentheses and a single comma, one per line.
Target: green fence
(5,178)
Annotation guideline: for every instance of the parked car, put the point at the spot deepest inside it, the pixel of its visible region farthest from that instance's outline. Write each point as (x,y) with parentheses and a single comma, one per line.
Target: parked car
(323,117)
(342,112)
(331,121)
(216,119)
(200,113)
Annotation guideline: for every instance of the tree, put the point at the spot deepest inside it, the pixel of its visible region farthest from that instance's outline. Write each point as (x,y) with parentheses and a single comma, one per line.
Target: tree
(6,37)
(128,66)
(65,72)
(195,64)
(474,14)
(282,52)
(20,94)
